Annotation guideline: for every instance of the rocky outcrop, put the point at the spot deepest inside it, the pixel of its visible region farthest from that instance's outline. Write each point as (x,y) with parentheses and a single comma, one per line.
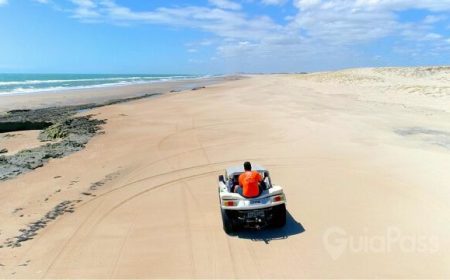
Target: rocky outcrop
(56,123)
(17,120)
(74,134)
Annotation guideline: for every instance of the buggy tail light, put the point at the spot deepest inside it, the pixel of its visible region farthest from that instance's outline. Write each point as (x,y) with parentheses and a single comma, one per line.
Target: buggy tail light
(229,203)
(278,198)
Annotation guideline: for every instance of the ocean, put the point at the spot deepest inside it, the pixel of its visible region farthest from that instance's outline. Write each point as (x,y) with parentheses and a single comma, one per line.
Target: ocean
(32,83)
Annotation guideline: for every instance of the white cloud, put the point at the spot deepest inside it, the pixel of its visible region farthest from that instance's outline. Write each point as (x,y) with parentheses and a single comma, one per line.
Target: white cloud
(328,30)
(360,21)
(432,36)
(334,21)
(223,23)
(226,4)
(86,9)
(274,2)
(397,5)
(88,4)
(206,43)
(3,2)
(306,4)
(431,19)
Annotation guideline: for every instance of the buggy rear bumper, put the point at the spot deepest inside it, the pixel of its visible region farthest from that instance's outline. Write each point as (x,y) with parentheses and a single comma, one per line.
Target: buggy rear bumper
(247,205)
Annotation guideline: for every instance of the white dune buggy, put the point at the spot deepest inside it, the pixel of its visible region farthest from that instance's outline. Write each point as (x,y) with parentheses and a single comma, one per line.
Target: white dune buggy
(267,209)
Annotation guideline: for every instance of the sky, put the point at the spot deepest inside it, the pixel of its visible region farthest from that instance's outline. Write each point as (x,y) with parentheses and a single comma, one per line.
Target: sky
(220,36)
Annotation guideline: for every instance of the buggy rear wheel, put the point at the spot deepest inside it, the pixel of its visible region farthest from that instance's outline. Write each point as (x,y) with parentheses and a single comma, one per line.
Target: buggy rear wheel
(228,225)
(279,215)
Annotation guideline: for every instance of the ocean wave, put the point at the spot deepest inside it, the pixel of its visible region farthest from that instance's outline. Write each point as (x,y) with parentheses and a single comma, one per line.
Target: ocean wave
(32,89)
(144,78)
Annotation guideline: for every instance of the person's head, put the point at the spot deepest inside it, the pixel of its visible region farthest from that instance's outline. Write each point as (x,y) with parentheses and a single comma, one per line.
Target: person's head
(247,166)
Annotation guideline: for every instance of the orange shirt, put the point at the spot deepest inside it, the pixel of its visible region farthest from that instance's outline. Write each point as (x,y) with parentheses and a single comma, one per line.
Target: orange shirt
(249,181)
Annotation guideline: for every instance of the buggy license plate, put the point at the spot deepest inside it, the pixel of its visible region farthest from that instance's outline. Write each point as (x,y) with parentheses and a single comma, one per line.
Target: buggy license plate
(255,201)
(256,213)
(259,201)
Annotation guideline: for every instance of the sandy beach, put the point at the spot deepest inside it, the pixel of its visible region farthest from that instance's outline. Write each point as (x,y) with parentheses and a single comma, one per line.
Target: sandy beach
(363,156)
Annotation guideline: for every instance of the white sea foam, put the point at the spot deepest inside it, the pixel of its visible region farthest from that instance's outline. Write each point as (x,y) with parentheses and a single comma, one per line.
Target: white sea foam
(149,78)
(31,86)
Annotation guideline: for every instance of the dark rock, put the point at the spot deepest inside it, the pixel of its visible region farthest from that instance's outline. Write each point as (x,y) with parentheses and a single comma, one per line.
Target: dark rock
(197,88)
(9,135)
(18,111)
(22,125)
(117,101)
(107,178)
(17,210)
(33,228)
(3,151)
(76,130)
(23,238)
(48,115)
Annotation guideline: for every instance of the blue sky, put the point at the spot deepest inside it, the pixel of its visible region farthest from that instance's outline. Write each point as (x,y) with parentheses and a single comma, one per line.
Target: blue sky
(220,36)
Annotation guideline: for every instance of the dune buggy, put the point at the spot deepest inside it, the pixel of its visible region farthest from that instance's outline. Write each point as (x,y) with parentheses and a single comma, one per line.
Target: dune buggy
(267,209)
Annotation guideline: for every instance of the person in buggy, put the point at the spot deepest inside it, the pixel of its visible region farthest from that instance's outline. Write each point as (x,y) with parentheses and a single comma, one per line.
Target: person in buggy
(249,182)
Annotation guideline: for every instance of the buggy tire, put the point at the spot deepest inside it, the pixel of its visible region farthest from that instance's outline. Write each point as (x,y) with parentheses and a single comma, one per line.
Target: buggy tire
(279,216)
(228,225)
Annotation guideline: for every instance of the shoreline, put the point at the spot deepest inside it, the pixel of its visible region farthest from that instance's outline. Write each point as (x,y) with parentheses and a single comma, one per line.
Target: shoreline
(22,80)
(101,94)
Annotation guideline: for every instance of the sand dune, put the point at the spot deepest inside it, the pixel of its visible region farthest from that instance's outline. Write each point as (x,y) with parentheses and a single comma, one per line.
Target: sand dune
(400,75)
(364,164)
(427,87)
